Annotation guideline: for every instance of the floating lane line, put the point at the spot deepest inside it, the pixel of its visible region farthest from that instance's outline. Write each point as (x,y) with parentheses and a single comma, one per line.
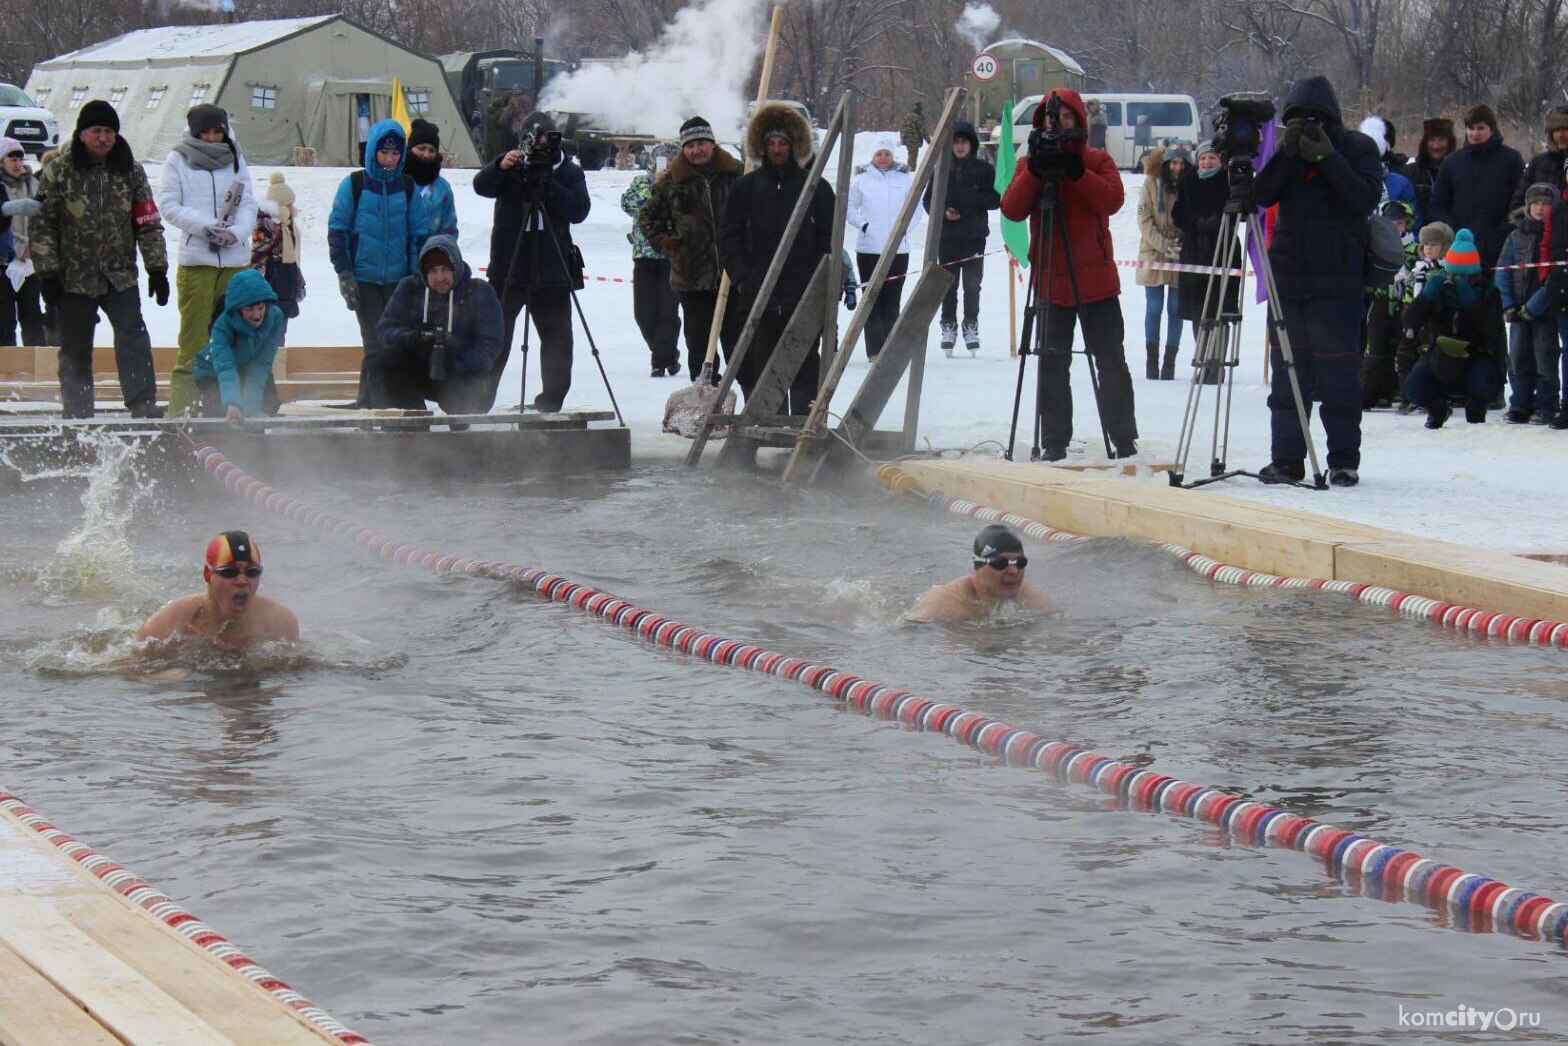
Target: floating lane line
(1472,902)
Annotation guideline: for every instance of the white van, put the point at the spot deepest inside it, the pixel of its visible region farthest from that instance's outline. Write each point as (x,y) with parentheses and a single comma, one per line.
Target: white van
(1134,123)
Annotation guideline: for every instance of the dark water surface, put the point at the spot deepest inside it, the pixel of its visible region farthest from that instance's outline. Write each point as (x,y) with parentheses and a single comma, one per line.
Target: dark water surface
(463,815)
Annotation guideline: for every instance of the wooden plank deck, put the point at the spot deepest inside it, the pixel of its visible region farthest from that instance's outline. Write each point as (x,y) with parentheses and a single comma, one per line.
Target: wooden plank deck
(80,965)
(304,372)
(1269,538)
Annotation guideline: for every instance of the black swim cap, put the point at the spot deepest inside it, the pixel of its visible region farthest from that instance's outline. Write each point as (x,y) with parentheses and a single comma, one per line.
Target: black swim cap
(996,539)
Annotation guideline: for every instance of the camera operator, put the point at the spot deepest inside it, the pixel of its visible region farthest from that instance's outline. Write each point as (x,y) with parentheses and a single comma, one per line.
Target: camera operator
(440,334)
(526,268)
(1090,192)
(1326,178)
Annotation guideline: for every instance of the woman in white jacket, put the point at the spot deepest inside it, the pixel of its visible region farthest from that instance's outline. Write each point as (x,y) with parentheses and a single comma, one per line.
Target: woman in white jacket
(206,194)
(875,197)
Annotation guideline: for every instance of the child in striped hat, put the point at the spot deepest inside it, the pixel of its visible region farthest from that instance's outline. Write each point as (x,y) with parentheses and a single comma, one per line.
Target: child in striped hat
(1458,322)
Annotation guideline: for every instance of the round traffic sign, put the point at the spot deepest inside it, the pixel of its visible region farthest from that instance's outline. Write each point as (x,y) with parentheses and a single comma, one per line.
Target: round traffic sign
(985,66)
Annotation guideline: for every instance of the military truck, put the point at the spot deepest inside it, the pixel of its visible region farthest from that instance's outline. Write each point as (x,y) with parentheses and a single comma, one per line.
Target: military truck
(497,87)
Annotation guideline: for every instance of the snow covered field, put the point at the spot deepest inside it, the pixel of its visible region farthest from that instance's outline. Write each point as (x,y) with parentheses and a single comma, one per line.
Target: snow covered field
(1497,485)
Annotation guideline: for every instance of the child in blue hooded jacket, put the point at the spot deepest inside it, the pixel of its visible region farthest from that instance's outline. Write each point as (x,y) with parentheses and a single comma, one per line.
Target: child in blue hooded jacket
(373,236)
(232,370)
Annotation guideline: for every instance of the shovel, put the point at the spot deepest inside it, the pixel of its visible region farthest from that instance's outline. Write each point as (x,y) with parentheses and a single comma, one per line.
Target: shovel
(686,408)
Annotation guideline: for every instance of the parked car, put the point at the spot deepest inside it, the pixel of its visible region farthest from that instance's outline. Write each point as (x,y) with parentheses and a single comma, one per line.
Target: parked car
(1134,123)
(32,125)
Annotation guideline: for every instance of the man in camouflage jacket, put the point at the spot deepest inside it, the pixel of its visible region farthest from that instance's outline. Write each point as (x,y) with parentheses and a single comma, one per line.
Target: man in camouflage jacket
(682,220)
(97,208)
(913,133)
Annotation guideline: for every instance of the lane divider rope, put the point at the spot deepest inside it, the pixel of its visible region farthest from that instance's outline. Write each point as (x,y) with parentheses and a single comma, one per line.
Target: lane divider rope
(1449,615)
(1376,869)
(178,919)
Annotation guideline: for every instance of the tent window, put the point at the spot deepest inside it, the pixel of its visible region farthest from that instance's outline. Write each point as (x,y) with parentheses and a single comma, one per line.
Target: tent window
(155,96)
(418,101)
(42,95)
(198,93)
(117,95)
(77,94)
(263,96)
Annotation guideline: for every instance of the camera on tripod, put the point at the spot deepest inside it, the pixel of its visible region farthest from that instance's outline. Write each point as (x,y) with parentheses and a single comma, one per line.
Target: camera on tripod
(1238,130)
(1048,157)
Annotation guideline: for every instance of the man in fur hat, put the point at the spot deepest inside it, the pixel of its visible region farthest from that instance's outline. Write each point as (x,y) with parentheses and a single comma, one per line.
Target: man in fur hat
(1550,165)
(98,209)
(754,222)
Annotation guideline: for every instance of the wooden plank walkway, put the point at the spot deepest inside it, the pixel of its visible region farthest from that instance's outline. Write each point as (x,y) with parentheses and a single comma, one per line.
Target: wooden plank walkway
(81,965)
(1255,536)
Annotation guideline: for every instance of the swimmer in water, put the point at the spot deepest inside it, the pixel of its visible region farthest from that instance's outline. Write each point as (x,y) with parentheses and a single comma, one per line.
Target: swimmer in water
(229,612)
(997,580)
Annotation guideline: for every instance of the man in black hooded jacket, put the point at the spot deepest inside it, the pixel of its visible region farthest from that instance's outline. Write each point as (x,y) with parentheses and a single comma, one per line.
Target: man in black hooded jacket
(1326,179)
(755,217)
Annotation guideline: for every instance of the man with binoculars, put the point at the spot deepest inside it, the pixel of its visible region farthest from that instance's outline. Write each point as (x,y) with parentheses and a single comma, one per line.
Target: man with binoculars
(440,334)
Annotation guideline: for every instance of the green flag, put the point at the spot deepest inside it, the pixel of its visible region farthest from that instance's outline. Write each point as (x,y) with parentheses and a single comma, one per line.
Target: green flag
(1014,234)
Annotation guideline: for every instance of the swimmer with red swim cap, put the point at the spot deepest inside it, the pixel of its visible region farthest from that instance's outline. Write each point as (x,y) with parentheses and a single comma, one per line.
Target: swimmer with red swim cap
(230,611)
(997,580)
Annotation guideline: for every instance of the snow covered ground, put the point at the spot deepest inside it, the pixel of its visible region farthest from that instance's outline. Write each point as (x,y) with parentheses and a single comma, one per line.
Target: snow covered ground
(1496,485)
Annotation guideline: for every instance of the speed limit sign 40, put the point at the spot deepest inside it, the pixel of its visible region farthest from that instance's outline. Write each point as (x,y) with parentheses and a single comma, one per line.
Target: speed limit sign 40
(985,67)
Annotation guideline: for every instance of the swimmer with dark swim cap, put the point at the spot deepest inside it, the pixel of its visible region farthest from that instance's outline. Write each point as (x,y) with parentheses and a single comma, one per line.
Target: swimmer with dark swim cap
(230,611)
(996,580)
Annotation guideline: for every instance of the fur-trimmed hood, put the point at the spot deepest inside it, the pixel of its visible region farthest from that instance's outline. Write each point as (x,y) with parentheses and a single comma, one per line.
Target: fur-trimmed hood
(120,157)
(1152,160)
(723,162)
(774,116)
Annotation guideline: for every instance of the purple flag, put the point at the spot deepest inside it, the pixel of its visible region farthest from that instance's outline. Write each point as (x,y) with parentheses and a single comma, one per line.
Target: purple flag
(1255,251)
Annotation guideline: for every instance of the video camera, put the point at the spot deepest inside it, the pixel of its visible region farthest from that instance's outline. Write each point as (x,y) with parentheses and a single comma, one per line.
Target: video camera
(1048,144)
(1238,130)
(539,145)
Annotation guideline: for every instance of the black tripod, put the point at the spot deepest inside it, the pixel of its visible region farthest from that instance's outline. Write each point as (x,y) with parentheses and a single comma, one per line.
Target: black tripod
(1218,352)
(536,221)
(1037,317)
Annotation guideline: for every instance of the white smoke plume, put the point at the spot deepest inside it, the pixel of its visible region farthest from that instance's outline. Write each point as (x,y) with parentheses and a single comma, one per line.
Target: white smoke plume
(698,67)
(978,24)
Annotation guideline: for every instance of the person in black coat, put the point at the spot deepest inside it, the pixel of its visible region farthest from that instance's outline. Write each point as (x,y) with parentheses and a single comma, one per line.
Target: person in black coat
(1200,205)
(440,334)
(1476,185)
(1437,144)
(966,222)
(525,266)
(1549,166)
(755,218)
(1326,178)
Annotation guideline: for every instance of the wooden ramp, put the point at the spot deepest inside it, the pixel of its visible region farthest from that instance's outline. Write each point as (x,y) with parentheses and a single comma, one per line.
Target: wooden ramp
(1255,536)
(81,965)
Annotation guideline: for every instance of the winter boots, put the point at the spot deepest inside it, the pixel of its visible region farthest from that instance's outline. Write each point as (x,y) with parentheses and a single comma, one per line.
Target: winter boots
(972,338)
(1283,472)
(949,337)
(1151,360)
(1168,367)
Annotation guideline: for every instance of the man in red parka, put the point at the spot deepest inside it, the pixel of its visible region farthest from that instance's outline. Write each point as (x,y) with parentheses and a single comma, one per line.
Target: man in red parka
(1090,192)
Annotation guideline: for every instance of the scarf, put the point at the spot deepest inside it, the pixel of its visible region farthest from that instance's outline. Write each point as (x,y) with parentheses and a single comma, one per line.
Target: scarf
(287,234)
(423,171)
(208,156)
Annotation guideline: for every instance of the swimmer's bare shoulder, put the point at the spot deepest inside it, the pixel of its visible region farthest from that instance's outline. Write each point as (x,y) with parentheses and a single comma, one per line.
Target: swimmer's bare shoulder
(953,601)
(1032,598)
(267,620)
(173,618)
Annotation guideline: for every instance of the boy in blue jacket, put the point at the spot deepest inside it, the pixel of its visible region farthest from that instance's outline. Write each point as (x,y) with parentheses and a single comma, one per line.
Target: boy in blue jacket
(233,368)
(373,235)
(437,208)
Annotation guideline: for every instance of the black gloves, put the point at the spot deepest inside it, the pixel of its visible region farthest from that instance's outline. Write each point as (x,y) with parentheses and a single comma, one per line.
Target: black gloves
(349,289)
(1073,170)
(1315,146)
(158,285)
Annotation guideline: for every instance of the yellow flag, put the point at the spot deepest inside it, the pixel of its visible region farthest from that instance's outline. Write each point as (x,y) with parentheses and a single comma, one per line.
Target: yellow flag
(400,105)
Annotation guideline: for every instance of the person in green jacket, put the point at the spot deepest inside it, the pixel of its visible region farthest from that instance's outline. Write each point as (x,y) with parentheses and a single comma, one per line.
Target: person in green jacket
(232,370)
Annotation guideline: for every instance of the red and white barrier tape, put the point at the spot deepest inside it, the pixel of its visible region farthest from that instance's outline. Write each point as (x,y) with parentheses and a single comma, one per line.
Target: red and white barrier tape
(172,915)
(1448,615)
(1474,902)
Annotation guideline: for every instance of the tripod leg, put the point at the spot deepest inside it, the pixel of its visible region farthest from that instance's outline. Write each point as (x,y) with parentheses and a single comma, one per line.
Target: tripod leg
(1046,223)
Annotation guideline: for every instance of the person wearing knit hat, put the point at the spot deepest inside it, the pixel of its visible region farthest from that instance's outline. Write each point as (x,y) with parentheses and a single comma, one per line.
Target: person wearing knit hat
(436,204)
(1383,330)
(275,245)
(681,221)
(1395,185)
(1533,343)
(876,196)
(1548,165)
(1475,188)
(20,306)
(1458,322)
(206,194)
(98,212)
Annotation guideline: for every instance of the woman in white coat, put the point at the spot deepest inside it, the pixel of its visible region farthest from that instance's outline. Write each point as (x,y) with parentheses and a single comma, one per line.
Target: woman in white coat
(206,194)
(875,197)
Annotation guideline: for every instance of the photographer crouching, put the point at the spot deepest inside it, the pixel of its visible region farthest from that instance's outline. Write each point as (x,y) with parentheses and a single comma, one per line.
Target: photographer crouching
(1326,179)
(440,335)
(1087,288)
(536,187)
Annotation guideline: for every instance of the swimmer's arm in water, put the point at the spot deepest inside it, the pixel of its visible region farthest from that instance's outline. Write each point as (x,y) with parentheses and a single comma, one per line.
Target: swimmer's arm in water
(171,620)
(953,601)
(281,623)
